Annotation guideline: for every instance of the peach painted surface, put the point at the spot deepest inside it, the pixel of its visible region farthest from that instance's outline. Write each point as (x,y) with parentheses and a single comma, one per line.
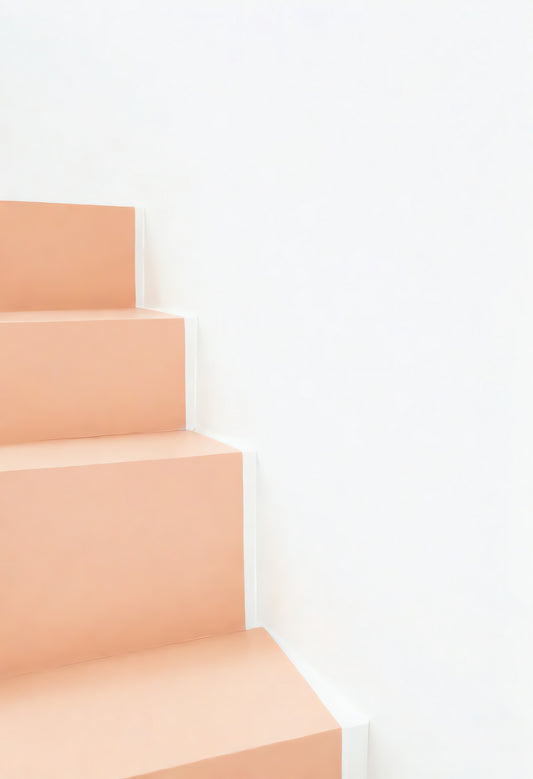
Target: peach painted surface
(313,757)
(89,373)
(170,708)
(117,556)
(60,256)
(108,449)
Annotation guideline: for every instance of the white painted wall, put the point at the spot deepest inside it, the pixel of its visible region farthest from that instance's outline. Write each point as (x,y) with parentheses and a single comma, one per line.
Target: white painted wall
(338,189)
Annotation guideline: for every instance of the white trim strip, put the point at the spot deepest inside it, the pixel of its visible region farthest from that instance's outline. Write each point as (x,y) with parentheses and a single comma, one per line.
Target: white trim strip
(249,490)
(249,486)
(139,256)
(191,341)
(354,725)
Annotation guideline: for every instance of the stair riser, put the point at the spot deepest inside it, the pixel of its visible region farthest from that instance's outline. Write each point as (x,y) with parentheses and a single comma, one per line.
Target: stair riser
(86,378)
(314,757)
(59,256)
(106,559)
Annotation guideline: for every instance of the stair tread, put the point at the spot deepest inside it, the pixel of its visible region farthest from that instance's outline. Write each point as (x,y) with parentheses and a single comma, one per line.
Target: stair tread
(117,544)
(100,450)
(108,372)
(136,714)
(82,315)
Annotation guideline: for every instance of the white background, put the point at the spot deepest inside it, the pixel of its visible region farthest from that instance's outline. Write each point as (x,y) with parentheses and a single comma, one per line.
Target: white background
(338,190)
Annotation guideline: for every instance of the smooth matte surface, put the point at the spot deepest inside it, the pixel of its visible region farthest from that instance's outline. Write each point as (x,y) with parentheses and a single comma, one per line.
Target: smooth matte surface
(82,315)
(89,373)
(57,256)
(140,548)
(170,709)
(108,449)
(311,757)
(342,192)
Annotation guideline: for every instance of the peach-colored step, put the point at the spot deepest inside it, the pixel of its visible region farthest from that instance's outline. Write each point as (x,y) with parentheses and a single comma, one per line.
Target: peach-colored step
(54,255)
(231,706)
(117,544)
(69,374)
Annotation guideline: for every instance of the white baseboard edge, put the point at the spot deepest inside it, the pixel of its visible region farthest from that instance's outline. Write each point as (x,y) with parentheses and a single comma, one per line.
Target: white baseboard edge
(191,361)
(249,485)
(139,256)
(191,321)
(354,724)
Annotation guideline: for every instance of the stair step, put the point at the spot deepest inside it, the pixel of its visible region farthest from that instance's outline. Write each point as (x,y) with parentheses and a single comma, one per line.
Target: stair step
(61,256)
(70,374)
(232,706)
(117,544)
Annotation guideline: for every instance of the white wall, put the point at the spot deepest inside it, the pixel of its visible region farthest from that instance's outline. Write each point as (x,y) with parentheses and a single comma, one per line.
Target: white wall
(338,190)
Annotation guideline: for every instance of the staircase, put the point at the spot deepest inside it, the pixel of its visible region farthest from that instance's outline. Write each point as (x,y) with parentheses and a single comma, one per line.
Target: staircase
(123,648)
